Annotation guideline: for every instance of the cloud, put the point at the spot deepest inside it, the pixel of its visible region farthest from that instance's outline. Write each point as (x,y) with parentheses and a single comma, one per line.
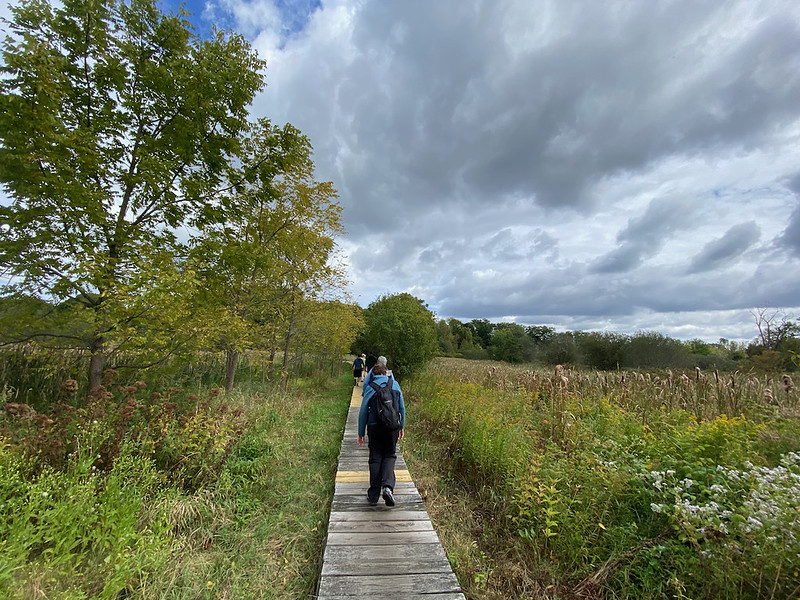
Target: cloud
(645,236)
(790,239)
(724,250)
(615,165)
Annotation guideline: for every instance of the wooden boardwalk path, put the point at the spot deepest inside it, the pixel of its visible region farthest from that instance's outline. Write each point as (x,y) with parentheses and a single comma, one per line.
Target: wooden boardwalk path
(377,551)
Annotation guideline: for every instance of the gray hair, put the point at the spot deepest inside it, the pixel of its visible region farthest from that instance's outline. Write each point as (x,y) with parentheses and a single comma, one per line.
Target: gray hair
(382,360)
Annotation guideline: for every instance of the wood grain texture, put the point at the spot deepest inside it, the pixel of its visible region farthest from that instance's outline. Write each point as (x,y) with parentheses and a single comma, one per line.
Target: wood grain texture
(380,551)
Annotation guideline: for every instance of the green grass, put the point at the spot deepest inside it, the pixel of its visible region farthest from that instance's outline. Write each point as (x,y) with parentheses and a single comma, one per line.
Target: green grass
(542,491)
(255,531)
(271,504)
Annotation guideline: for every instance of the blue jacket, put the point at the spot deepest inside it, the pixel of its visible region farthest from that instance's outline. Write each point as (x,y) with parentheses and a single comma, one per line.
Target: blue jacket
(367,379)
(366,416)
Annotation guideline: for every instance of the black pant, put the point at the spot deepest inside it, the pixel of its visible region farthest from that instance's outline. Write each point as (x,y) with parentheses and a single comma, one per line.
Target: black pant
(382,456)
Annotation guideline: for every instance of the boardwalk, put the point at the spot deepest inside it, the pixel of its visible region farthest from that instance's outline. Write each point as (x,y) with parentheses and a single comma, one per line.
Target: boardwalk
(377,551)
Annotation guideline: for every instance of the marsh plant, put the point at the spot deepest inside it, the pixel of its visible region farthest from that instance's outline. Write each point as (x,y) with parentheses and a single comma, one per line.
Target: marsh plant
(622,484)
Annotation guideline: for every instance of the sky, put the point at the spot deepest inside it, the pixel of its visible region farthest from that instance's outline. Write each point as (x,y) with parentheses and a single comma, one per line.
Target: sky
(600,166)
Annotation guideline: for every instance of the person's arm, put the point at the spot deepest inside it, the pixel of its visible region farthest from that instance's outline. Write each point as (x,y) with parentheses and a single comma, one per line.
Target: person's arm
(402,412)
(363,414)
(367,379)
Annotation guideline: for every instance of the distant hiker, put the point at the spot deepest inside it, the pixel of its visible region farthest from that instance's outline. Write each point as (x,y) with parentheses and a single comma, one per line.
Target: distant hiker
(381,360)
(358,369)
(370,361)
(382,439)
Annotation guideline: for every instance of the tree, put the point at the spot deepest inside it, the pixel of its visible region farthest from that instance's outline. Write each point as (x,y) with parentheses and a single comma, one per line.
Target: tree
(403,329)
(482,331)
(274,247)
(774,327)
(462,335)
(115,123)
(446,339)
(510,343)
(601,350)
(540,334)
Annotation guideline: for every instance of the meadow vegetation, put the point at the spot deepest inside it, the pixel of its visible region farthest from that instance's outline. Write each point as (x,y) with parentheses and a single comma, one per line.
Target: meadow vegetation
(572,483)
(148,492)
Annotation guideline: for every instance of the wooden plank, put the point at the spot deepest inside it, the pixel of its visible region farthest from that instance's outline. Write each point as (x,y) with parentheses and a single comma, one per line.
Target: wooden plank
(384,560)
(379,551)
(400,586)
(390,514)
(381,538)
(378,526)
(363,476)
(360,503)
(390,596)
(360,489)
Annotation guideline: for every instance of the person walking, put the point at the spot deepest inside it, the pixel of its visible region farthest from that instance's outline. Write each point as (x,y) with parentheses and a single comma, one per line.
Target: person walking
(358,369)
(382,441)
(381,360)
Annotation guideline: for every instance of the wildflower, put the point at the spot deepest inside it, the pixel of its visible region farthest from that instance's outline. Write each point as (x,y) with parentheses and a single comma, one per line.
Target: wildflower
(44,494)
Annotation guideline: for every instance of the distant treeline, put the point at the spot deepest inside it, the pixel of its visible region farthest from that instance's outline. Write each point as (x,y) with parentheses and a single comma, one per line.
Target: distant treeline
(513,343)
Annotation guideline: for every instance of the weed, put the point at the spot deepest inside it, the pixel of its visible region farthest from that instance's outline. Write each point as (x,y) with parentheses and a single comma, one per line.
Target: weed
(625,485)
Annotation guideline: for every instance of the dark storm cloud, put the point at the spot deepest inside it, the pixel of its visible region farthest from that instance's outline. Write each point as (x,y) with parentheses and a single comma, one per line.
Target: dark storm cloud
(722,251)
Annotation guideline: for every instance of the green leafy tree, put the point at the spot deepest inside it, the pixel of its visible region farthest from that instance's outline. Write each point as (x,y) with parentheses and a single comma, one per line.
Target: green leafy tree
(482,331)
(271,258)
(540,334)
(402,328)
(447,341)
(510,343)
(115,124)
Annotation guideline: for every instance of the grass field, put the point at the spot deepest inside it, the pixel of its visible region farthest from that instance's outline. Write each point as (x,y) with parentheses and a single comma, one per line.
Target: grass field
(147,528)
(568,484)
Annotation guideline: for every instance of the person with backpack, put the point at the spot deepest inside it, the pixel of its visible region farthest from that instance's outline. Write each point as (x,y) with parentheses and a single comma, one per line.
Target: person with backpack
(382,417)
(358,369)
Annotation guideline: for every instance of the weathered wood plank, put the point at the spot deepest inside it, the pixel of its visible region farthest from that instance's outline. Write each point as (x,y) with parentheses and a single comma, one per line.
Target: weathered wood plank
(390,596)
(384,560)
(388,514)
(370,586)
(362,476)
(360,503)
(382,538)
(360,489)
(372,526)
(378,551)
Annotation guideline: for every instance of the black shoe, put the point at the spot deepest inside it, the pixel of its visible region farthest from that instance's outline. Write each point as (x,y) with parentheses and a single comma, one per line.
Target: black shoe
(388,497)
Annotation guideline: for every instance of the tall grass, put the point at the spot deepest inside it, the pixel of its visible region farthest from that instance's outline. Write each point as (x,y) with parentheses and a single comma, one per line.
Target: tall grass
(219,496)
(624,485)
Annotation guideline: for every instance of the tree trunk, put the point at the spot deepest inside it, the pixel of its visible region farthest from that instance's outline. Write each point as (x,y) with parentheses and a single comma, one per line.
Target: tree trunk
(97,364)
(286,346)
(231,362)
